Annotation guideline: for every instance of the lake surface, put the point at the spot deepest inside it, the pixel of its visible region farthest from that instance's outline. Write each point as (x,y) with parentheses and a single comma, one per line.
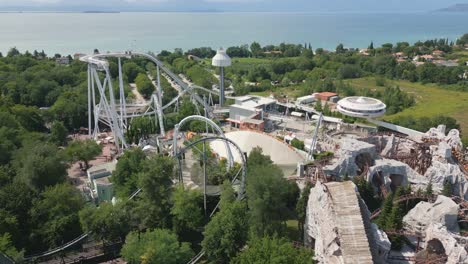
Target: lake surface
(68,33)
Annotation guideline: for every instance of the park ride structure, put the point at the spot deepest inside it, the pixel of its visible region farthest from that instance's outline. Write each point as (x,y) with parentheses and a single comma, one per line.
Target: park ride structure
(115,112)
(221,60)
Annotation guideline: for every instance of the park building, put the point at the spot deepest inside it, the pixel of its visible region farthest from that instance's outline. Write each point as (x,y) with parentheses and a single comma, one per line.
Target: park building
(249,112)
(364,107)
(100,186)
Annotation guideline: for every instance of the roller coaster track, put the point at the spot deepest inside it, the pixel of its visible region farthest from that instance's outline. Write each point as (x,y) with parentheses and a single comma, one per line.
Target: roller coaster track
(70,243)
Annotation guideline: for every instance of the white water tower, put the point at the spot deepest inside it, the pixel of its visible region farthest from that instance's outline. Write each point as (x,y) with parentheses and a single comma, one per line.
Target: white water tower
(221,60)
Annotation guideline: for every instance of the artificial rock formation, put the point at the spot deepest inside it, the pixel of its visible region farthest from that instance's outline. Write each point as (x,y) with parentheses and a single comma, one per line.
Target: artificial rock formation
(454,246)
(396,172)
(443,211)
(338,230)
(349,150)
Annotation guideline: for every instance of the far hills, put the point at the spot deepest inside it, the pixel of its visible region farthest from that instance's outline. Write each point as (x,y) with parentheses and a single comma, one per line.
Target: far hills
(455,8)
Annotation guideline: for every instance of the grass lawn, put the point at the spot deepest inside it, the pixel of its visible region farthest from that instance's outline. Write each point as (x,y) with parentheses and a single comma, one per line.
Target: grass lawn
(292,91)
(431,100)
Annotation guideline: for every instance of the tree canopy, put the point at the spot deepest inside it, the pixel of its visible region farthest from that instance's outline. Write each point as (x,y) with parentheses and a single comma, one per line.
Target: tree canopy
(273,250)
(85,151)
(155,246)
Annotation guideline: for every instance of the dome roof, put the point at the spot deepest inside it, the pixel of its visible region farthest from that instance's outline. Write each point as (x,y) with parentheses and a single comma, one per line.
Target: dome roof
(279,152)
(221,59)
(362,103)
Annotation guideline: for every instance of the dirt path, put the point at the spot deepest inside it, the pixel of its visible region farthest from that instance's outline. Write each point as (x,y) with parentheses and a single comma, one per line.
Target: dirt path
(138,97)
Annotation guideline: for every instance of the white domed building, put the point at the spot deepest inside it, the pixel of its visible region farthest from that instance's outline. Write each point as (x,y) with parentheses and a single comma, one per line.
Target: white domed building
(364,107)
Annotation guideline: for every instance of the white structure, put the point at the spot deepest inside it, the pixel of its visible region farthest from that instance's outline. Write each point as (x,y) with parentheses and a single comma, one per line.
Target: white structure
(305,99)
(280,153)
(248,106)
(221,60)
(328,119)
(115,112)
(364,107)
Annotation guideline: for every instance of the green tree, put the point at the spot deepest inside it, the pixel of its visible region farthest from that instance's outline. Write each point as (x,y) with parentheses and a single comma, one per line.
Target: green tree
(108,222)
(55,214)
(349,71)
(83,151)
(28,117)
(125,176)
(131,70)
(340,49)
(39,165)
(267,197)
(318,105)
(70,108)
(227,232)
(273,250)
(186,212)
(297,144)
(447,191)
(13,52)
(366,191)
(9,249)
(58,133)
(463,40)
(429,190)
(394,221)
(386,211)
(156,183)
(155,246)
(144,85)
(256,49)
(301,206)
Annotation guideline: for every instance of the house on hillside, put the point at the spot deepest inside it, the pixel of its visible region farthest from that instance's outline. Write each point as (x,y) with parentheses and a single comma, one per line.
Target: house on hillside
(62,61)
(438,53)
(364,52)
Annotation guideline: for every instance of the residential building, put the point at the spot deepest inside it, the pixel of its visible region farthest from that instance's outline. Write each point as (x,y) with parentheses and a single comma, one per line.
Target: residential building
(62,60)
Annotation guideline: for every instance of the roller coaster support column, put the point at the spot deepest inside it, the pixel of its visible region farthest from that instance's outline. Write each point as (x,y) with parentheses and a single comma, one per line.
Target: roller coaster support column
(123,107)
(204,177)
(89,100)
(160,94)
(159,111)
(313,144)
(221,88)
(93,93)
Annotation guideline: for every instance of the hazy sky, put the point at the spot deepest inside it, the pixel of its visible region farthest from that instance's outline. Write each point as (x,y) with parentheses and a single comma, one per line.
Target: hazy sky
(231,5)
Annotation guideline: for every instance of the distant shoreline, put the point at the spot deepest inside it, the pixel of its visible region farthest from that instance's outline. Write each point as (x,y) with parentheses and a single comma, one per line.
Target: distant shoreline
(61,12)
(225,12)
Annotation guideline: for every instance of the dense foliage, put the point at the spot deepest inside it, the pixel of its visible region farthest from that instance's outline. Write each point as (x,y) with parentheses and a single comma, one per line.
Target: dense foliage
(155,246)
(275,251)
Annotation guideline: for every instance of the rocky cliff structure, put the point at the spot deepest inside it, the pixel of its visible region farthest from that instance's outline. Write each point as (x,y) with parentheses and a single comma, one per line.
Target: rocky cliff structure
(443,211)
(390,160)
(338,230)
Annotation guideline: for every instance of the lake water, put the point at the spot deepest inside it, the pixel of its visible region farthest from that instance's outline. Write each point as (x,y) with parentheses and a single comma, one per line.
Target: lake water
(68,33)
